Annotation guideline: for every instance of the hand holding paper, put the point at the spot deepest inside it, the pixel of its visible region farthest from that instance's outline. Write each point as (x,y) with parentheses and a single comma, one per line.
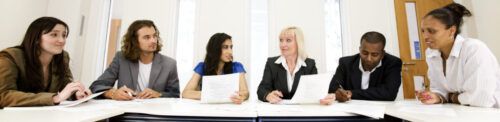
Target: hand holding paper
(219,88)
(311,89)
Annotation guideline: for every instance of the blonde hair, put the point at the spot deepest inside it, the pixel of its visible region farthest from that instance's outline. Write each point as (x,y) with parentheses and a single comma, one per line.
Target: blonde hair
(299,38)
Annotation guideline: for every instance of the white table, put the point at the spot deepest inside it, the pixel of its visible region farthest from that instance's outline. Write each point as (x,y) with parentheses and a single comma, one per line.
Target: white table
(412,110)
(313,112)
(180,110)
(56,116)
(185,109)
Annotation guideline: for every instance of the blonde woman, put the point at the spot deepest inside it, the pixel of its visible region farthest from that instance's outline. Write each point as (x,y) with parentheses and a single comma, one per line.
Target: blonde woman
(282,73)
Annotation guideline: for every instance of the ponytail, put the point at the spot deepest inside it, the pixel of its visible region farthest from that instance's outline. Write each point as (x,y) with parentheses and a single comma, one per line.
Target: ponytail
(451,15)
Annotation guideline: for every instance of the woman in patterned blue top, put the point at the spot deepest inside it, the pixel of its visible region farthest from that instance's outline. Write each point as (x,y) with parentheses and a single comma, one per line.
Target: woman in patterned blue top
(218,61)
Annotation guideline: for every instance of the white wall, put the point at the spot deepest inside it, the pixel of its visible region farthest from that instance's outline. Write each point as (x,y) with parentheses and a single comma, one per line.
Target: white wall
(484,23)
(96,14)
(361,16)
(227,16)
(162,12)
(69,11)
(309,16)
(16,17)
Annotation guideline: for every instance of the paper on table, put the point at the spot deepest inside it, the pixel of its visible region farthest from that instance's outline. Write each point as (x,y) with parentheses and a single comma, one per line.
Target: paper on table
(73,103)
(63,104)
(311,89)
(371,109)
(219,88)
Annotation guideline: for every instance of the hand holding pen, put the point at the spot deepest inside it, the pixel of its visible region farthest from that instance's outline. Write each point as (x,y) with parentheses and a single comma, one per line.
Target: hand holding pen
(341,94)
(428,97)
(123,93)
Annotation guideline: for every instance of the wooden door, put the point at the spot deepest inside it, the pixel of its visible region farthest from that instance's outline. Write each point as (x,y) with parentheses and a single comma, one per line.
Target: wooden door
(411,44)
(113,40)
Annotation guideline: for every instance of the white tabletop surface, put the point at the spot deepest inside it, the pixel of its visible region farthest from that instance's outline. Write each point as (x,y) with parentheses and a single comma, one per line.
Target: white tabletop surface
(412,110)
(101,109)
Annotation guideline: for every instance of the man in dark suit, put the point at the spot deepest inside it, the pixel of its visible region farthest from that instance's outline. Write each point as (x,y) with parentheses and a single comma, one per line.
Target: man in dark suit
(372,74)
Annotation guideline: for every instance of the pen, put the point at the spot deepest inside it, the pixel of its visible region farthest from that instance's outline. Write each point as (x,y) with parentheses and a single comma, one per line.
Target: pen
(129,94)
(340,85)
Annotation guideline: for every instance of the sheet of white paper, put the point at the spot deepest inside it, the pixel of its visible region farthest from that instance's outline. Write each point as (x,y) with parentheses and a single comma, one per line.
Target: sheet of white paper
(73,103)
(33,108)
(311,89)
(376,112)
(63,104)
(418,83)
(371,109)
(219,88)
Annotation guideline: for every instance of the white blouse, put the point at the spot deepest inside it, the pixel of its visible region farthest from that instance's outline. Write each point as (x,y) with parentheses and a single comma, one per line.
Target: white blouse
(290,77)
(471,70)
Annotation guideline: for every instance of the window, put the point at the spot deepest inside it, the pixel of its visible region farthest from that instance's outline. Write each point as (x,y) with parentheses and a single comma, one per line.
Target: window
(185,37)
(333,30)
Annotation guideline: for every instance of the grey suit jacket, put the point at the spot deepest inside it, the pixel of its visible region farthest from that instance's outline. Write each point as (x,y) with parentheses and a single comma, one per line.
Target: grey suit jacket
(163,77)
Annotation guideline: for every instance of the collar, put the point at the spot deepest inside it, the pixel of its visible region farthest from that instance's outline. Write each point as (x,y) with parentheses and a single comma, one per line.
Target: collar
(455,50)
(361,66)
(300,61)
(457,46)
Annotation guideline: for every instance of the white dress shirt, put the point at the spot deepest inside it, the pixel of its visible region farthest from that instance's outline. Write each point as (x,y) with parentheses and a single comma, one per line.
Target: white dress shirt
(471,70)
(290,77)
(365,75)
(143,76)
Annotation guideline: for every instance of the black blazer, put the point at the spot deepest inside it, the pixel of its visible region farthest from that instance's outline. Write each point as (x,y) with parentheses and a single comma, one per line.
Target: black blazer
(383,84)
(275,78)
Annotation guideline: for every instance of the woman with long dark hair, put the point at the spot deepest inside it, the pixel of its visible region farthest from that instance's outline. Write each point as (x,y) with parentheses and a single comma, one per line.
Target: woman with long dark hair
(36,73)
(218,61)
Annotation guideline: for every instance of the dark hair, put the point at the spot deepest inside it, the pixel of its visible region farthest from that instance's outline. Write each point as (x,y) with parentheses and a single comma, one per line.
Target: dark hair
(214,52)
(451,15)
(32,49)
(130,49)
(373,37)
